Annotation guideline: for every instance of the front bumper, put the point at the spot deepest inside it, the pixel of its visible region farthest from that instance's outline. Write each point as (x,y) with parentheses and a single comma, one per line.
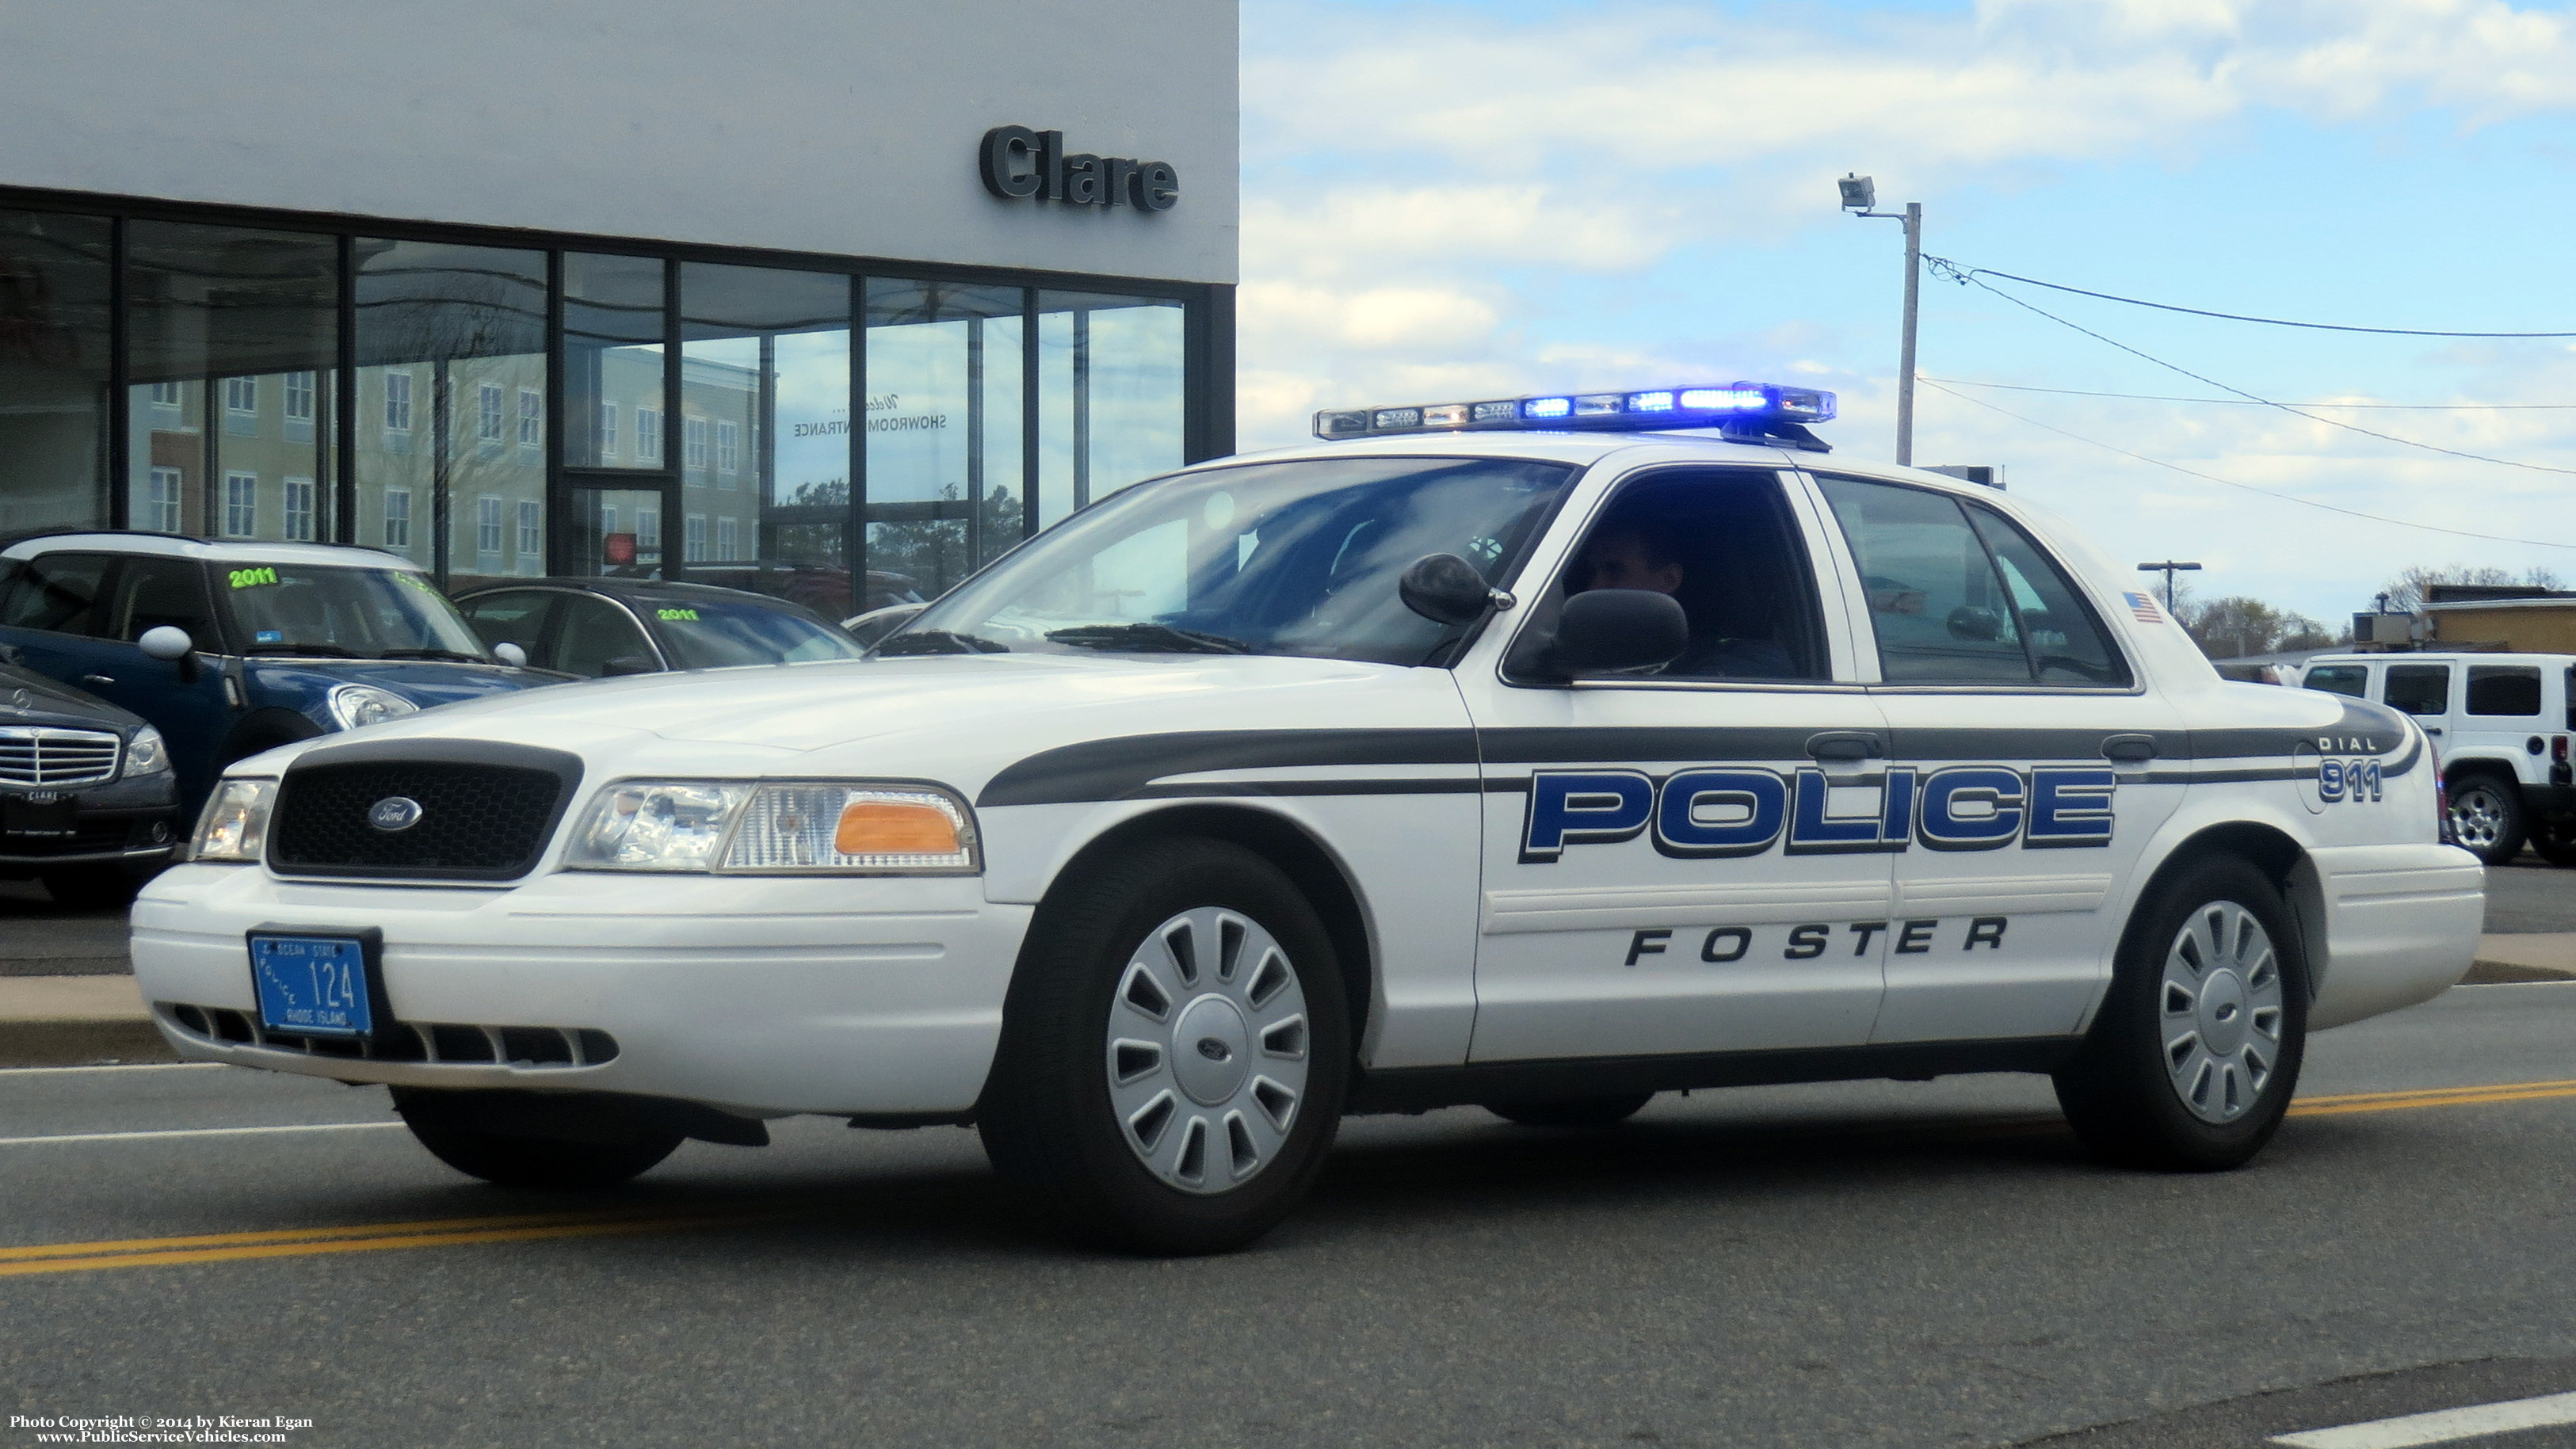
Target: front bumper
(761,996)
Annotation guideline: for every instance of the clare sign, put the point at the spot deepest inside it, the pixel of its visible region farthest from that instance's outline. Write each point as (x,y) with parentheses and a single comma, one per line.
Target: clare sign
(1020,164)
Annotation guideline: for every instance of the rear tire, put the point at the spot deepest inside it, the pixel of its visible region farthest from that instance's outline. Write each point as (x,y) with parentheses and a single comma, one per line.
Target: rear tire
(1573,1111)
(2487,817)
(2555,842)
(541,1164)
(2193,1058)
(1182,993)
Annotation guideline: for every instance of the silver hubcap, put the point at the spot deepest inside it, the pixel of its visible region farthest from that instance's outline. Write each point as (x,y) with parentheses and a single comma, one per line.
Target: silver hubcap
(2221,1011)
(2477,816)
(1207,1050)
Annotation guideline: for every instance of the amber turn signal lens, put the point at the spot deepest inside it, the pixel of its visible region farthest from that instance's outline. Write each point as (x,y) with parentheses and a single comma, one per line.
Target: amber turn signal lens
(889,827)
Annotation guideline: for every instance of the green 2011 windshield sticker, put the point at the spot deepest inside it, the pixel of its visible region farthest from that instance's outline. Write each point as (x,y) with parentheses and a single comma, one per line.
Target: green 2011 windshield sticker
(677,616)
(253,578)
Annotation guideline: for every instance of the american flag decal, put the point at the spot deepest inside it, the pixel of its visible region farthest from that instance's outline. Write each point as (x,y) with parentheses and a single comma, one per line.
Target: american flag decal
(2144,606)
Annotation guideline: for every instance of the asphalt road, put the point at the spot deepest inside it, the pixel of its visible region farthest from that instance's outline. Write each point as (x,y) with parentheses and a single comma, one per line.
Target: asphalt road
(2530,895)
(1861,1264)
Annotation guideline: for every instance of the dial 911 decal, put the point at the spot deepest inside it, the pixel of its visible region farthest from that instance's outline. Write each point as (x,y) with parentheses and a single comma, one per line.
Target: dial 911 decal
(1737,810)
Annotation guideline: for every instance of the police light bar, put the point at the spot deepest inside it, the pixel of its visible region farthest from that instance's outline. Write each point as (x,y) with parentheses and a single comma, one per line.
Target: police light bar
(1747,407)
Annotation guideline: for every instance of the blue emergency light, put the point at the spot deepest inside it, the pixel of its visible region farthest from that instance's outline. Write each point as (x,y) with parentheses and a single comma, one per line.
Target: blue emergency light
(1748,410)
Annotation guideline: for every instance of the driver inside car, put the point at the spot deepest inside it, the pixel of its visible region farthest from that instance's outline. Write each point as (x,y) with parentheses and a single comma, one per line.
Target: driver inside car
(1630,555)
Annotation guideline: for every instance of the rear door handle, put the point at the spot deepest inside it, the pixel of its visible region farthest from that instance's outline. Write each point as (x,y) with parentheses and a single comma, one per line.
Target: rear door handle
(1844,745)
(94,679)
(2129,749)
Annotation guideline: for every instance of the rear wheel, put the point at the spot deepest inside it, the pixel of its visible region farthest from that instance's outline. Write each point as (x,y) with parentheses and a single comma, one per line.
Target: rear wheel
(2192,1060)
(2487,817)
(2555,841)
(1573,1111)
(1174,1052)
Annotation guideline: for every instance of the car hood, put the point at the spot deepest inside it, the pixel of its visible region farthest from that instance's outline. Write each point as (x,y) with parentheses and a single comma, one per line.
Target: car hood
(29,698)
(957,718)
(425,682)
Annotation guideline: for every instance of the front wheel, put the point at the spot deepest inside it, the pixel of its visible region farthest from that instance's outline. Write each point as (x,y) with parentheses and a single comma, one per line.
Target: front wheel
(2192,1060)
(1174,1052)
(92,888)
(2487,817)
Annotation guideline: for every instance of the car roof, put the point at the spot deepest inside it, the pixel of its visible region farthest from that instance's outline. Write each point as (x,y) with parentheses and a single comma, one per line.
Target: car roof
(1585,449)
(642,589)
(211,550)
(2441,656)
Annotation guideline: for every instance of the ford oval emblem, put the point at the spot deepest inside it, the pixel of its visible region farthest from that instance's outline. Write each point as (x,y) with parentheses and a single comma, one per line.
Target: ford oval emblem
(394,812)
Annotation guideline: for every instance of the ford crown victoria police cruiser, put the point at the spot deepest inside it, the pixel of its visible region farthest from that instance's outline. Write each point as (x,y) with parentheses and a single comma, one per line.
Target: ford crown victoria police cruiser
(1544,753)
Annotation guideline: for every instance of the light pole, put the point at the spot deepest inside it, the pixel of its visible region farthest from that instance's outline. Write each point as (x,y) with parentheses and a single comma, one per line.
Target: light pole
(1860,193)
(2169,568)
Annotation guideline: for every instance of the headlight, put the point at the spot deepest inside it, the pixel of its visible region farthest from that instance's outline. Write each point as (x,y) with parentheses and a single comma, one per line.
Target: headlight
(234,828)
(800,827)
(357,705)
(146,754)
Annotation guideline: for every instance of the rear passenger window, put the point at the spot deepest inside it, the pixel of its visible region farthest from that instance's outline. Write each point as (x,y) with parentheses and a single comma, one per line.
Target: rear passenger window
(60,592)
(2504,690)
(2351,679)
(1961,601)
(2420,688)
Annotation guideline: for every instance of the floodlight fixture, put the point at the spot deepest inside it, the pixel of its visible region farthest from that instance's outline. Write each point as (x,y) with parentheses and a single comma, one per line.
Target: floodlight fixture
(1860,193)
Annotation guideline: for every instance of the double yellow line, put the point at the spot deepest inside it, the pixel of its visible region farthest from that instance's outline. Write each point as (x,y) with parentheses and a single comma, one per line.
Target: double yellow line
(372,1238)
(2429,1097)
(535,1227)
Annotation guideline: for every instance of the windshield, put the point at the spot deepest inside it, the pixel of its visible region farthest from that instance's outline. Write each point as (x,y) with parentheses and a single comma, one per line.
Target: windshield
(344,613)
(702,635)
(1279,558)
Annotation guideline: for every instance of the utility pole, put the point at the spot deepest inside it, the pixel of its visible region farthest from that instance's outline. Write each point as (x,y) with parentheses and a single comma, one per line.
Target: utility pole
(2169,568)
(1860,193)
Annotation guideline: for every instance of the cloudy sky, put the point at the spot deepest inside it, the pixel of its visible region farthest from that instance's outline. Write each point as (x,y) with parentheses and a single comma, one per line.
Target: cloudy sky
(1451,200)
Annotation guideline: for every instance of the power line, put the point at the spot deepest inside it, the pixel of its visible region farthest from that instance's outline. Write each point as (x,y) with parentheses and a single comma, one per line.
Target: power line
(1965,278)
(1964,273)
(2232,483)
(2238,402)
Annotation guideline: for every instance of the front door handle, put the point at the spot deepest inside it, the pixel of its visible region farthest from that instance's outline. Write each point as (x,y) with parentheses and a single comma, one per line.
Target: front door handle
(94,679)
(2129,749)
(1840,745)
(2432,729)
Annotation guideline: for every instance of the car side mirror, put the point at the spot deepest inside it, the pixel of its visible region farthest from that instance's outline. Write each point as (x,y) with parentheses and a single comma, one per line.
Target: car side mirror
(167,642)
(629,664)
(875,624)
(510,654)
(1609,631)
(1446,589)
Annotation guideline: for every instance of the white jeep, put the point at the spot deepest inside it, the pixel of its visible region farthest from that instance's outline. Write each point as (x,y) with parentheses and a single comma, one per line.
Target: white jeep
(2501,724)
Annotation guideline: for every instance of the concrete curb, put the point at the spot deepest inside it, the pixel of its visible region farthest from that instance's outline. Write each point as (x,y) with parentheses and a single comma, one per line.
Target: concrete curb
(81,1043)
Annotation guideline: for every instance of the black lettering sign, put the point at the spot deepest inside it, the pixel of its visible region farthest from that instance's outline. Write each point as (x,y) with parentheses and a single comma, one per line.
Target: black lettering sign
(1986,931)
(1646,943)
(1806,943)
(1739,938)
(1020,164)
(1868,932)
(1915,938)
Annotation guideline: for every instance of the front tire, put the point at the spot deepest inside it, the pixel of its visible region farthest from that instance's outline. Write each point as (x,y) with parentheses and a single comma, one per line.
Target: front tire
(2191,1063)
(92,888)
(2487,817)
(1174,1052)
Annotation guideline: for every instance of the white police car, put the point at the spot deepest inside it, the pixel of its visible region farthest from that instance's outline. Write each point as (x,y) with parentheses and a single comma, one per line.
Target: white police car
(1543,753)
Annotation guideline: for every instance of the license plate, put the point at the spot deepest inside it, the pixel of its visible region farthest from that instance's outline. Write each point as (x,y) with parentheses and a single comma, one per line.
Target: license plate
(53,819)
(313,985)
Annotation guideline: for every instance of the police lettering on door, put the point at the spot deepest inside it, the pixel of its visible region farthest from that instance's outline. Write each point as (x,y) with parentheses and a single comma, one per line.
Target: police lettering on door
(1734,810)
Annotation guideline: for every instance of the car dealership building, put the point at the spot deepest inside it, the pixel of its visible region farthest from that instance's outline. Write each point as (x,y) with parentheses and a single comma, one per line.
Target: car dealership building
(778,294)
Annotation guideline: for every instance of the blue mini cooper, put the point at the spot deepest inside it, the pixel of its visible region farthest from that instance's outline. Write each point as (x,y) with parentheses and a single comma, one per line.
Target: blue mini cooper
(231,647)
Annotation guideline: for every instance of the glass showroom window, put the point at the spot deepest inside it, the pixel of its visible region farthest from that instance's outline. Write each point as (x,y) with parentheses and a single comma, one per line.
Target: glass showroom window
(943,433)
(300,515)
(397,507)
(1110,397)
(213,313)
(765,357)
(612,345)
(55,281)
(456,332)
(241,505)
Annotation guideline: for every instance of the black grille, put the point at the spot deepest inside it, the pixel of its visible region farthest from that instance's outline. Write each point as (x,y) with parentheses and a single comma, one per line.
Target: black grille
(478,819)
